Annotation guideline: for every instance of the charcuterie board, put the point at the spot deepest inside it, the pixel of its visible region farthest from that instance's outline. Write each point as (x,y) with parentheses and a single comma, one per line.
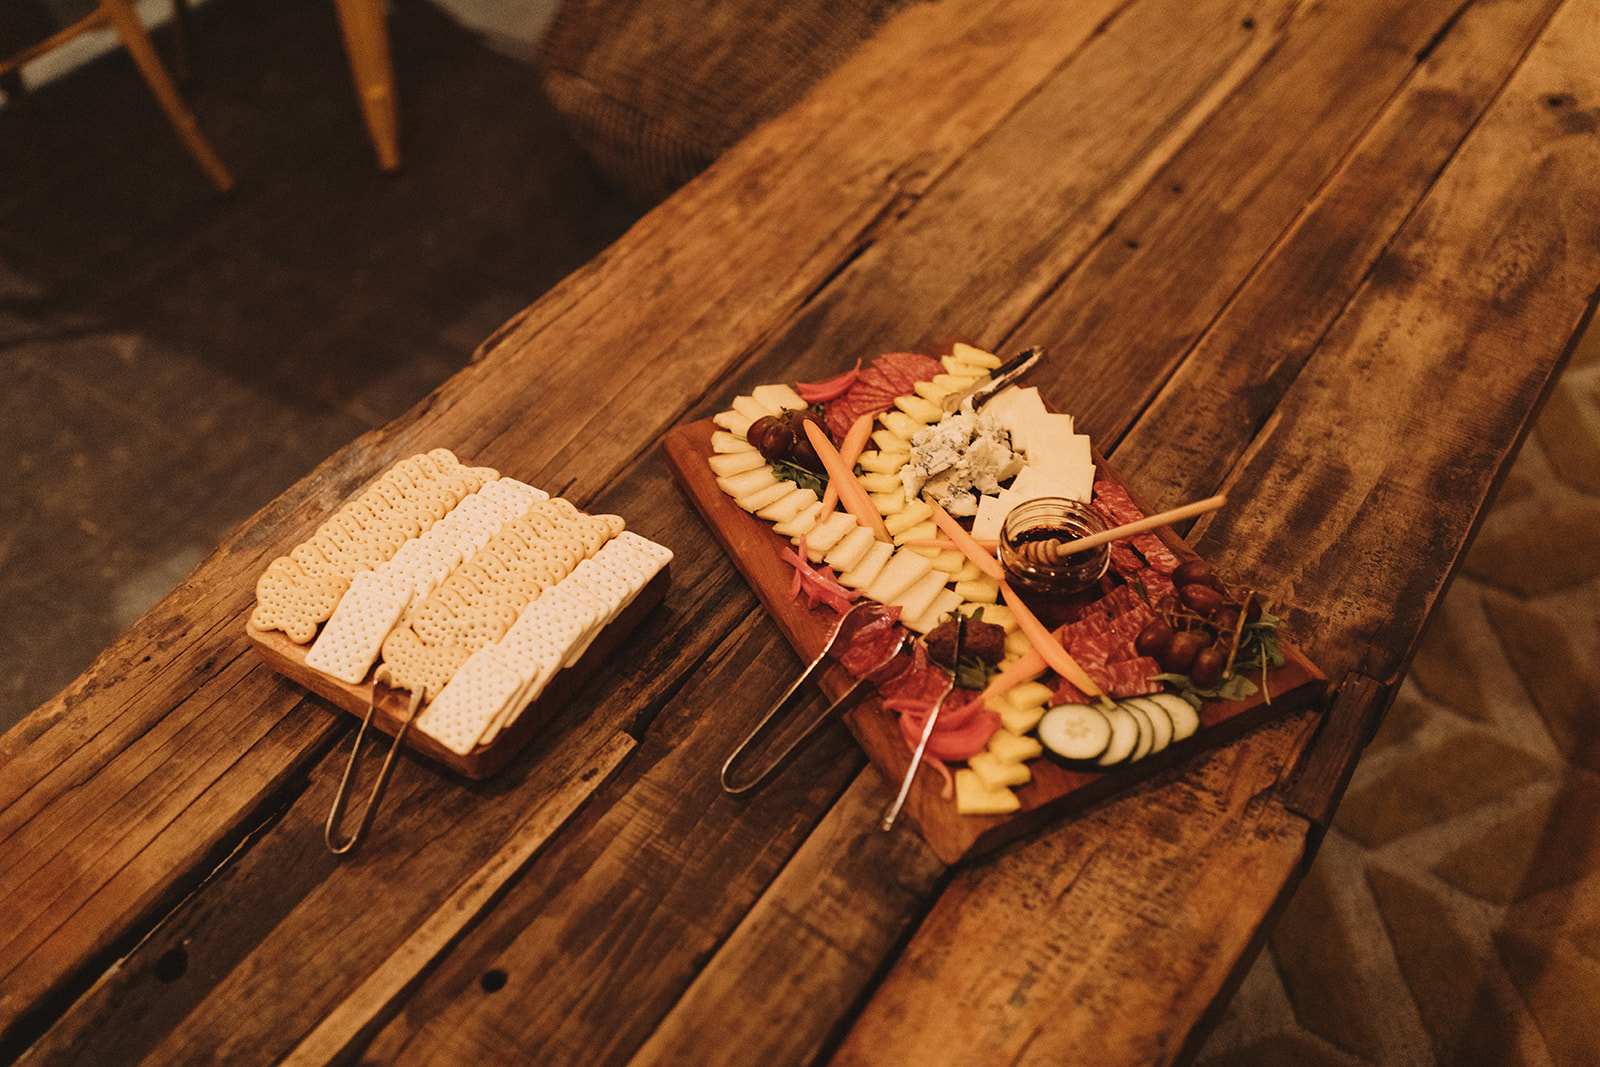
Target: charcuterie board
(1055,790)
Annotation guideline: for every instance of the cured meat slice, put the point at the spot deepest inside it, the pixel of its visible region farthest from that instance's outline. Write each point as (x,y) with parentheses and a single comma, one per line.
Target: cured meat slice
(889,376)
(867,635)
(1112,501)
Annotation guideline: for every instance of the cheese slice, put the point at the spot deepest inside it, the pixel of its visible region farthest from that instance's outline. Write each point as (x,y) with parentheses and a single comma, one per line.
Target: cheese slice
(865,572)
(851,549)
(903,569)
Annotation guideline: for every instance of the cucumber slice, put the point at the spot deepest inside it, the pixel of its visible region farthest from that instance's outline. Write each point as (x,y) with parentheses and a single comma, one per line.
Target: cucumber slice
(1147,733)
(1124,735)
(1185,720)
(1075,732)
(1160,721)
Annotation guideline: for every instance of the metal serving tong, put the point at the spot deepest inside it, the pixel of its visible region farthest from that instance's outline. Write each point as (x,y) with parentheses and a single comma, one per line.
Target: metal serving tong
(342,797)
(980,392)
(893,811)
(747,766)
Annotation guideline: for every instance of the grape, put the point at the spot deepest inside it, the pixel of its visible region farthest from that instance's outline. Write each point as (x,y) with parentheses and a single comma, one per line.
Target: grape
(1206,670)
(1154,639)
(1201,599)
(1182,650)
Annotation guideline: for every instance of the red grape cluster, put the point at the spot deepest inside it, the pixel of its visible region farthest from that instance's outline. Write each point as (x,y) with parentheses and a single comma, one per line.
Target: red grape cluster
(1198,635)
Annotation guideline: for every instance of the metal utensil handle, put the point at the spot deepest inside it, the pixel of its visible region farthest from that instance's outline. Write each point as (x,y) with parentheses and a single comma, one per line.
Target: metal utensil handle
(731,781)
(342,797)
(893,813)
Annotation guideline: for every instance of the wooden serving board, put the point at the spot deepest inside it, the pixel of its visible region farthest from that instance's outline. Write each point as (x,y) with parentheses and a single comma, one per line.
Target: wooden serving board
(1055,790)
(289,660)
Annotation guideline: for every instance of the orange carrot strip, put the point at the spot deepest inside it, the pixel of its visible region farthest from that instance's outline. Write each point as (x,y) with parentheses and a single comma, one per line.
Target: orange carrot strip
(1025,668)
(850,449)
(943,544)
(1046,644)
(963,540)
(852,494)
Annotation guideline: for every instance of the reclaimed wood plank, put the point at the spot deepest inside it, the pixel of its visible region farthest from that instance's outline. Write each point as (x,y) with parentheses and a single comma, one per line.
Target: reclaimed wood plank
(601,938)
(1431,377)
(812,945)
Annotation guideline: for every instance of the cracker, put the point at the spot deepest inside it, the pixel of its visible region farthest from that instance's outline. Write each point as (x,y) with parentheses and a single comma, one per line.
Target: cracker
(349,645)
(468,703)
(289,599)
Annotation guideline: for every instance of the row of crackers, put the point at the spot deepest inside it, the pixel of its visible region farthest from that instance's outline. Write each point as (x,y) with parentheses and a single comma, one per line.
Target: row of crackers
(504,573)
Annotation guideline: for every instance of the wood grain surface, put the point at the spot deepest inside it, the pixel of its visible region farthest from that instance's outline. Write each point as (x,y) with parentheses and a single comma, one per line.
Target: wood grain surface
(1325,257)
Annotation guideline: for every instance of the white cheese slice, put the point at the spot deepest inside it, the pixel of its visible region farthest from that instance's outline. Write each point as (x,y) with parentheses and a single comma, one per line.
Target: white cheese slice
(754,502)
(931,392)
(753,409)
(851,549)
(918,598)
(903,569)
(944,602)
(724,464)
(789,505)
(747,482)
(919,408)
(777,396)
(871,565)
(889,441)
(733,421)
(874,482)
(827,533)
(723,441)
(992,512)
(800,524)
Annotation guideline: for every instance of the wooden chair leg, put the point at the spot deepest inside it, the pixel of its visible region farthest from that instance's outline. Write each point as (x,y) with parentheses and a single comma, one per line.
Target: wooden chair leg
(363,24)
(136,39)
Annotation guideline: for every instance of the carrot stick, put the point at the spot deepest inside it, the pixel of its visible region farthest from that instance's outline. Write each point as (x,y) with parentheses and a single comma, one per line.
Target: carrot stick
(1046,643)
(963,540)
(852,494)
(1025,668)
(988,544)
(850,449)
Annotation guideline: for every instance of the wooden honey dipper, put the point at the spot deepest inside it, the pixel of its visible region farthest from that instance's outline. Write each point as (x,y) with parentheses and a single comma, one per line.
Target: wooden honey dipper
(1054,551)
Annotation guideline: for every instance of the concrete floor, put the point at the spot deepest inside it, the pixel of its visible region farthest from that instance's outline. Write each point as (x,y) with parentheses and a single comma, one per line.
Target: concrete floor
(170,360)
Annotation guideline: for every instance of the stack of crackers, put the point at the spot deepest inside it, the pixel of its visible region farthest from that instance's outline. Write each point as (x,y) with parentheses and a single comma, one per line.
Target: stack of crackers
(466,588)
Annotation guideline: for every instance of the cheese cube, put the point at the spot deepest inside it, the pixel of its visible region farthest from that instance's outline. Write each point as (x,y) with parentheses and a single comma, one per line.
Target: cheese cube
(880,462)
(881,483)
(911,513)
(974,797)
(901,425)
(984,590)
(965,353)
(923,410)
(889,441)
(999,773)
(1014,748)
(1020,720)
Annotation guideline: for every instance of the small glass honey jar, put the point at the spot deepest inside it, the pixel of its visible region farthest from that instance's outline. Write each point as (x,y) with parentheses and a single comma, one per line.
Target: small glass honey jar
(1029,539)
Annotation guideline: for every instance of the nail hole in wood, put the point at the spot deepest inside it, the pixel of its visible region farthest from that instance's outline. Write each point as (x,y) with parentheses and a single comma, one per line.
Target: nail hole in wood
(493,980)
(171,964)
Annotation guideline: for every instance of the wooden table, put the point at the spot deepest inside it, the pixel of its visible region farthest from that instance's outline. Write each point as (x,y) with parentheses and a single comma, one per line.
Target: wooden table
(1326,258)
